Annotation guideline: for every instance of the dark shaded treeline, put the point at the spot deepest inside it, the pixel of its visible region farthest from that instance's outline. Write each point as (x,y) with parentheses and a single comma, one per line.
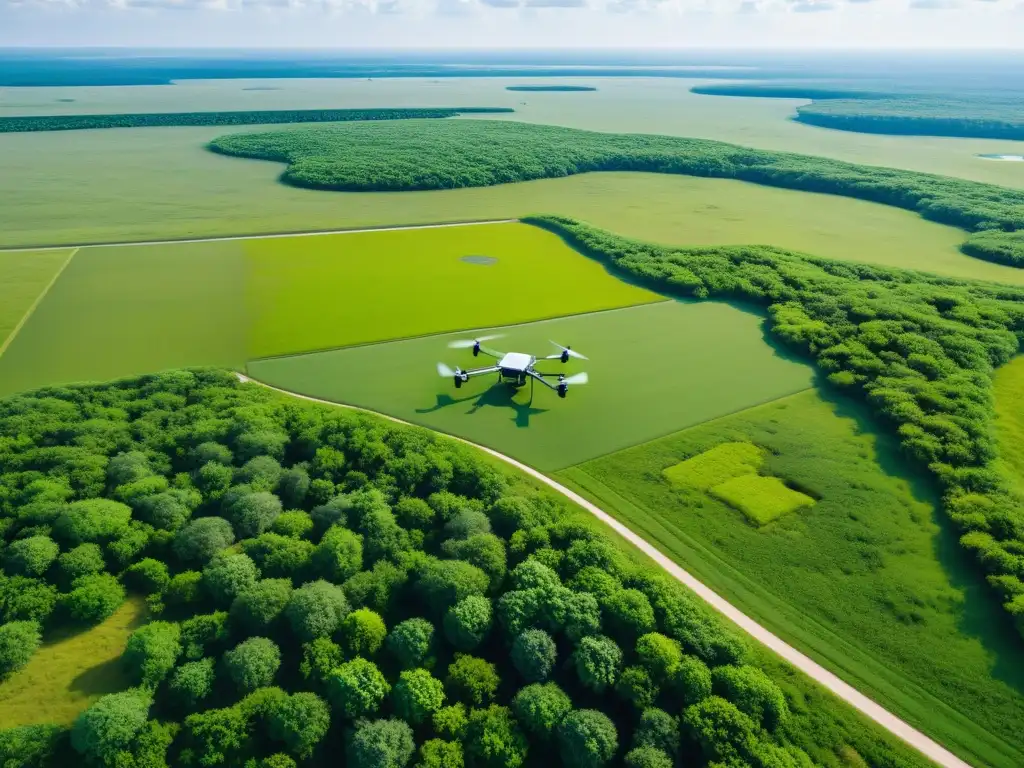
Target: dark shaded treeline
(257,117)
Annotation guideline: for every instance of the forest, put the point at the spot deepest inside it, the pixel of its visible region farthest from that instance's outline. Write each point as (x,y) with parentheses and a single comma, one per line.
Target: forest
(472,153)
(919,349)
(323,582)
(29,123)
(985,115)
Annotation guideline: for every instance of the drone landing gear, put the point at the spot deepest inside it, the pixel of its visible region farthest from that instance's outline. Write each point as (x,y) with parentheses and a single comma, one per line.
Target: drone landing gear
(458,382)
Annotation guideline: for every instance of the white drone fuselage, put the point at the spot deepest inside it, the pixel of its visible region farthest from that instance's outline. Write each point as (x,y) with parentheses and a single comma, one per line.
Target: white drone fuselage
(514,365)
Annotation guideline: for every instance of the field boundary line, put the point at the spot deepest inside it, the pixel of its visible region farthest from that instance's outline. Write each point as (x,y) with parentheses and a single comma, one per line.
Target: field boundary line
(269,235)
(887,720)
(37,302)
(418,336)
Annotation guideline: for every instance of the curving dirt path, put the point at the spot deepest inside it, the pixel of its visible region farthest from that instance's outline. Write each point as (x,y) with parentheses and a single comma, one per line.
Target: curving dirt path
(926,746)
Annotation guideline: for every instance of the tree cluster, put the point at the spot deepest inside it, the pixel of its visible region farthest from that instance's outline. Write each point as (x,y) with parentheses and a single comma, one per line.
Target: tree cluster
(402,155)
(412,606)
(919,349)
(31,123)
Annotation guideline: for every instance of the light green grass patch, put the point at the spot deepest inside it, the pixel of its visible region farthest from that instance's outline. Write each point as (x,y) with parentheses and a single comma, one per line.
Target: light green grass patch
(120,311)
(68,673)
(762,499)
(310,293)
(653,369)
(716,465)
(1009,395)
(23,276)
(870,581)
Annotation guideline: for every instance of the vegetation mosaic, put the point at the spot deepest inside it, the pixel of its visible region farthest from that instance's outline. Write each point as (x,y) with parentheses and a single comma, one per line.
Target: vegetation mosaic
(324,583)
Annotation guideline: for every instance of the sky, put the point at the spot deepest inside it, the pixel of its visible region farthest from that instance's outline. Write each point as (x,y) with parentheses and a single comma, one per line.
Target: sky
(515,23)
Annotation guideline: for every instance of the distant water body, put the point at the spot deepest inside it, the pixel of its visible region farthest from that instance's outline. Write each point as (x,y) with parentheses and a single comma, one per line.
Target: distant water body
(1006,158)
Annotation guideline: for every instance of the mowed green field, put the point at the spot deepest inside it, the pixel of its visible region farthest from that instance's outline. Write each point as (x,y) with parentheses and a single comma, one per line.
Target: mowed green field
(124,310)
(1009,395)
(869,579)
(24,275)
(128,310)
(653,369)
(309,293)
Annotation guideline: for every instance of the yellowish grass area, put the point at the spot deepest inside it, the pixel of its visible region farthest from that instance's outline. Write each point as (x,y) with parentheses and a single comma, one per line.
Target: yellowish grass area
(70,672)
(716,465)
(729,472)
(761,499)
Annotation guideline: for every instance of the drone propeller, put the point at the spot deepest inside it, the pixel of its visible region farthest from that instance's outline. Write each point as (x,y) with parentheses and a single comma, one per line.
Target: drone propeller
(570,352)
(576,378)
(467,343)
(445,371)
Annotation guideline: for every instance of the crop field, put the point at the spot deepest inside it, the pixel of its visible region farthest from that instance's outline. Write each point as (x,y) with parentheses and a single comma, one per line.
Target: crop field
(70,671)
(24,275)
(309,293)
(869,579)
(123,310)
(653,370)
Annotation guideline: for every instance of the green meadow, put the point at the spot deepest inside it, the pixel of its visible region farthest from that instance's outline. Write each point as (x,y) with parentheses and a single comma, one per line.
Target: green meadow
(309,293)
(653,370)
(1009,395)
(70,671)
(24,275)
(869,579)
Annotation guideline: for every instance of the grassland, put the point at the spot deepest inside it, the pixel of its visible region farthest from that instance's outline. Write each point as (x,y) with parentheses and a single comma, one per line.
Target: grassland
(308,293)
(70,671)
(24,275)
(653,369)
(868,580)
(124,310)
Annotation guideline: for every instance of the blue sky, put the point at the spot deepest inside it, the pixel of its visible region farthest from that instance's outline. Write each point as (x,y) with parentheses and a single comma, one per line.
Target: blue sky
(515,23)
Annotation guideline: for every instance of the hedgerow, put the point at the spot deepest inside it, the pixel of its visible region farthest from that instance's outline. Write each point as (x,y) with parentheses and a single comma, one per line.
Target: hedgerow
(920,349)
(379,652)
(31,123)
(474,153)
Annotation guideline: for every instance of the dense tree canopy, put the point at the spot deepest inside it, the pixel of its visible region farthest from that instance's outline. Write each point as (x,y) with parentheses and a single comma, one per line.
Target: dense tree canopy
(360,601)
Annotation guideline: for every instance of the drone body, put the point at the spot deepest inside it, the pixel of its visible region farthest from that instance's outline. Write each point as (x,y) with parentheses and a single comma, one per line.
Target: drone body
(513,368)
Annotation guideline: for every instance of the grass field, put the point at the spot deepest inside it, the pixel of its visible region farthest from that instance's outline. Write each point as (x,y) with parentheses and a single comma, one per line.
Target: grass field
(122,310)
(308,293)
(1009,394)
(24,275)
(653,370)
(69,672)
(128,310)
(869,580)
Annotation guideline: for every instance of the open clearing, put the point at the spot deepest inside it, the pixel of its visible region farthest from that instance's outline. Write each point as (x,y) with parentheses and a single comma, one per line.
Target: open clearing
(1009,394)
(869,581)
(68,673)
(337,290)
(24,275)
(654,369)
(123,310)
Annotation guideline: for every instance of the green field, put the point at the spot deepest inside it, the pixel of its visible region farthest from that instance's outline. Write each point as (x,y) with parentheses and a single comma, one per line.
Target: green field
(125,310)
(70,671)
(24,275)
(653,370)
(309,293)
(869,580)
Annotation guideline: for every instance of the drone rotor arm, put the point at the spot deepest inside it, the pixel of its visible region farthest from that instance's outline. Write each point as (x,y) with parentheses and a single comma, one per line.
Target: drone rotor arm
(540,377)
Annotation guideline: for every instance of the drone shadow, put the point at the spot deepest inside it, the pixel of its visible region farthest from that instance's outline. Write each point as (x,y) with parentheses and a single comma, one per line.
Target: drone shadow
(498,396)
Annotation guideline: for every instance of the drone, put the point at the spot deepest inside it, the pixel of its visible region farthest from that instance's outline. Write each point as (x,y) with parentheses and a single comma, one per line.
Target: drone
(514,368)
